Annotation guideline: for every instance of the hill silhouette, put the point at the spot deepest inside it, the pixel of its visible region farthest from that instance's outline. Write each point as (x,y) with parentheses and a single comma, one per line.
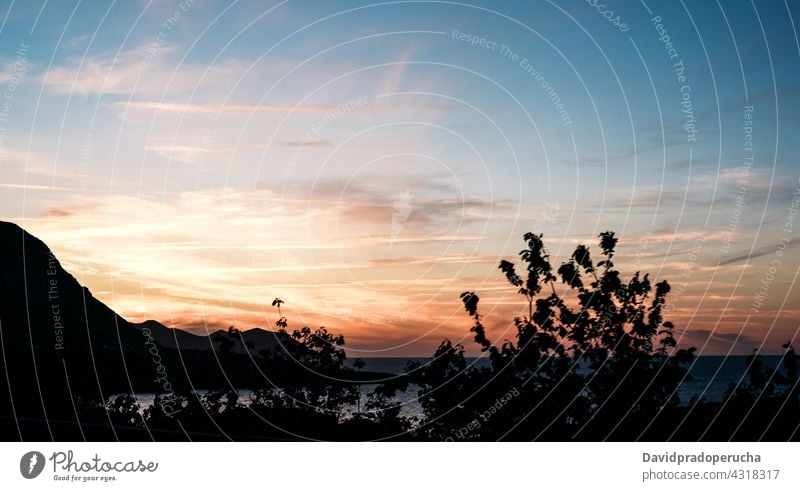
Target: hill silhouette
(252,340)
(58,341)
(59,344)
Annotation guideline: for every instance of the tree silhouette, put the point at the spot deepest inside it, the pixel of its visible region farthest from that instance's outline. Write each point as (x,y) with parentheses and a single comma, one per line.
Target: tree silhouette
(281,323)
(585,319)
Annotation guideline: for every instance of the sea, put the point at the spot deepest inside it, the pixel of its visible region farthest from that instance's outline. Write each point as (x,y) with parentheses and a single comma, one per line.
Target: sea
(709,378)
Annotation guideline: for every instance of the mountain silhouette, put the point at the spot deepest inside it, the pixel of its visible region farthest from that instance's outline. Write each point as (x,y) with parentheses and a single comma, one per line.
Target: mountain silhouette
(59,344)
(253,340)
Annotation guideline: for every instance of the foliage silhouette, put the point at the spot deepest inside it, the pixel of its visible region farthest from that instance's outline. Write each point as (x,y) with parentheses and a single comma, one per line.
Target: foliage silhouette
(593,359)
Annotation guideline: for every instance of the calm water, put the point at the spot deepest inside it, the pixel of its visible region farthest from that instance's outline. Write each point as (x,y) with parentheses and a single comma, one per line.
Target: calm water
(710,378)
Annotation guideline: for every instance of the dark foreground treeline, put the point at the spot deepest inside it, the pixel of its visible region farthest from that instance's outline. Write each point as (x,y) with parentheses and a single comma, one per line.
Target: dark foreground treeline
(530,391)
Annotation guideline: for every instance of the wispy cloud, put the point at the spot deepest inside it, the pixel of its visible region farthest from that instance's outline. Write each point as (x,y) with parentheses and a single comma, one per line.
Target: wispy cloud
(238,109)
(229,109)
(132,72)
(258,244)
(196,153)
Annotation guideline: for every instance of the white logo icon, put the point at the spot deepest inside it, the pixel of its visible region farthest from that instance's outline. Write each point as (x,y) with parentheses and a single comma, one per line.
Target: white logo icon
(31,464)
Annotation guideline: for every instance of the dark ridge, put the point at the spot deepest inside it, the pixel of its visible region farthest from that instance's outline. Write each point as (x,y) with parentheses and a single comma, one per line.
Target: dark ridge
(60,345)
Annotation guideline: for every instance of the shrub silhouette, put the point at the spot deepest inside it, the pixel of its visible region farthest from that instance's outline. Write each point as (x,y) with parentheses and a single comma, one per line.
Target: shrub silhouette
(594,361)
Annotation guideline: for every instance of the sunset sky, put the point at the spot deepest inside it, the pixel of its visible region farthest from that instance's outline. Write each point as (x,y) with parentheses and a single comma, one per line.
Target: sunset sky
(368,162)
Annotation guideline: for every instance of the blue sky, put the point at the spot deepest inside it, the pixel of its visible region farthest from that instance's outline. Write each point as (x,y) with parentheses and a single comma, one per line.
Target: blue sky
(258,149)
